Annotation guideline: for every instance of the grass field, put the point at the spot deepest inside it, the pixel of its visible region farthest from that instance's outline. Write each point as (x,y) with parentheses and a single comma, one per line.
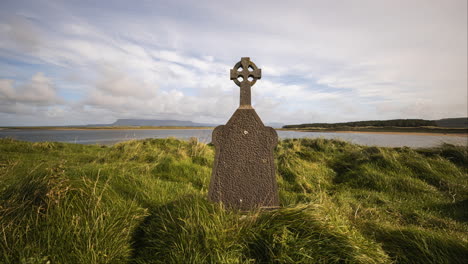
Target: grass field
(145,202)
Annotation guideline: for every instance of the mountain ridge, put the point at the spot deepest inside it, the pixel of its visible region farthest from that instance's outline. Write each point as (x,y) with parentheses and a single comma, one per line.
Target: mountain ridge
(166,122)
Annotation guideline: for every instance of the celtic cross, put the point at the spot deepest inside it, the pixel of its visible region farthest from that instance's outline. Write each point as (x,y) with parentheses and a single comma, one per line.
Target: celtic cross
(245,73)
(243,175)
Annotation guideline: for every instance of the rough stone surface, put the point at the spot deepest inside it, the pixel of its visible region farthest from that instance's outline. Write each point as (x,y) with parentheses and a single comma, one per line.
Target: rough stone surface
(244,171)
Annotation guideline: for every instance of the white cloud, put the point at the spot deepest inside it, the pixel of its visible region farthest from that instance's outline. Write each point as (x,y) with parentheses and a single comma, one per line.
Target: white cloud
(36,98)
(119,84)
(40,91)
(327,61)
(20,33)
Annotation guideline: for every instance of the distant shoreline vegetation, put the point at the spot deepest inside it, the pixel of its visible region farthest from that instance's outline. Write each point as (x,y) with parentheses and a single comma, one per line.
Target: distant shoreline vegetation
(436,130)
(449,125)
(383,129)
(442,126)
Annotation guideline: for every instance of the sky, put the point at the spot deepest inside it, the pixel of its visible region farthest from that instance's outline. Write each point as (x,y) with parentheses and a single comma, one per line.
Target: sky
(92,62)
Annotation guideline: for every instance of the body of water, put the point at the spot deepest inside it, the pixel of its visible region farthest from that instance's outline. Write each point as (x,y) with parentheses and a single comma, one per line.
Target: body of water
(111,136)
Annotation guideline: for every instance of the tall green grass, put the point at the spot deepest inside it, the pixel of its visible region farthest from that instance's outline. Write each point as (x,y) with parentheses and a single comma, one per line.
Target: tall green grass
(145,202)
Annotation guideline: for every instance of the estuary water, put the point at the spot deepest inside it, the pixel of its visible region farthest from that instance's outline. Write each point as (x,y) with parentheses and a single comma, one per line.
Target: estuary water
(112,136)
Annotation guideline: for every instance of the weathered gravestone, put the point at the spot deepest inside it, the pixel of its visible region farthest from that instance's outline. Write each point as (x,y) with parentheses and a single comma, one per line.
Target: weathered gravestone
(244,171)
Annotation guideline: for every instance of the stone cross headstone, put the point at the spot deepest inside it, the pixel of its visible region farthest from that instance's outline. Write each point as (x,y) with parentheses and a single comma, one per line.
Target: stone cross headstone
(243,174)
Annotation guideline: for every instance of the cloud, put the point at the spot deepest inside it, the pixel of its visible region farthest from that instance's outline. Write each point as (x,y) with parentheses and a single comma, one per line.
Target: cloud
(322,61)
(125,95)
(34,98)
(119,84)
(20,33)
(39,91)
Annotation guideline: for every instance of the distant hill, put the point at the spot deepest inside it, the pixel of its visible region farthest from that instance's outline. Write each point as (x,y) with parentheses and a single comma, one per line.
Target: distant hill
(154,122)
(274,125)
(453,122)
(447,122)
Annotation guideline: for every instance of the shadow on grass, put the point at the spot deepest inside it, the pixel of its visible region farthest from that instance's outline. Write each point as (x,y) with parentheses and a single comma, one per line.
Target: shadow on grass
(187,230)
(414,245)
(458,211)
(193,230)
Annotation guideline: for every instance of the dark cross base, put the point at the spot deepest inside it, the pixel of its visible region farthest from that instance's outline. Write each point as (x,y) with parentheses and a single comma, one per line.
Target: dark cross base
(243,174)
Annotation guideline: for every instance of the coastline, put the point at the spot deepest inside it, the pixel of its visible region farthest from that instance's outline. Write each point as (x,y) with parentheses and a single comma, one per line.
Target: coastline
(397,133)
(422,133)
(382,132)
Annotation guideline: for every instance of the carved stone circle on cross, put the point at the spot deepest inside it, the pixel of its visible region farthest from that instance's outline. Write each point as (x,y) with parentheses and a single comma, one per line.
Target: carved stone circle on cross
(243,174)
